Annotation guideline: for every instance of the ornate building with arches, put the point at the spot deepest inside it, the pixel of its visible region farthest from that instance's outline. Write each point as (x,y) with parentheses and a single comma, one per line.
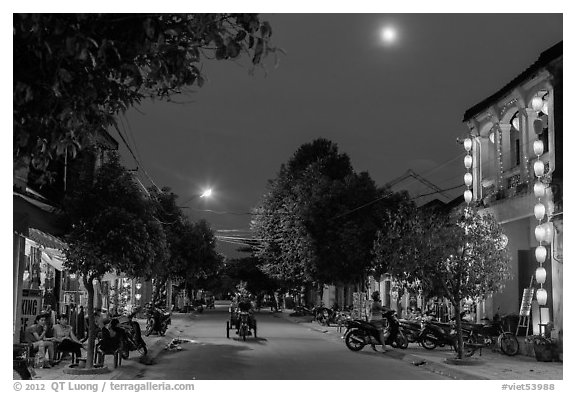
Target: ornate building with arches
(517,176)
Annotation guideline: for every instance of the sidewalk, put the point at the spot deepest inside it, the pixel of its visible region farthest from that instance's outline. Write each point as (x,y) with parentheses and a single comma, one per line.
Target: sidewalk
(490,365)
(131,368)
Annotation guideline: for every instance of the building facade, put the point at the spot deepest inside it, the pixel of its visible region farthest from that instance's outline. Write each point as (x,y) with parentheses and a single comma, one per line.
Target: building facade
(503,129)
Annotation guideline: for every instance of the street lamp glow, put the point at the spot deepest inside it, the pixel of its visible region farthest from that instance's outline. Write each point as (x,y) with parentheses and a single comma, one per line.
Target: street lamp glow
(388,35)
(207,193)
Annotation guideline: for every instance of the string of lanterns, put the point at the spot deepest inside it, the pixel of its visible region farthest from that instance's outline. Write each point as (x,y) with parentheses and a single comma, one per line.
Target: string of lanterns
(468,175)
(541,230)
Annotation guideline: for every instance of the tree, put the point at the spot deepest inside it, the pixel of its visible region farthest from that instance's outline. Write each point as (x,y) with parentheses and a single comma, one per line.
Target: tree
(110,227)
(458,256)
(74,73)
(310,228)
(192,246)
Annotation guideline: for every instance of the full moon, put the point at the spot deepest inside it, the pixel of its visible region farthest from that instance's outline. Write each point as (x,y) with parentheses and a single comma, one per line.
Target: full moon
(388,35)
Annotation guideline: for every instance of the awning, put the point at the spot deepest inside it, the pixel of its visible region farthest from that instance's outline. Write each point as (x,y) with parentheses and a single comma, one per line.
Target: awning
(46,240)
(53,260)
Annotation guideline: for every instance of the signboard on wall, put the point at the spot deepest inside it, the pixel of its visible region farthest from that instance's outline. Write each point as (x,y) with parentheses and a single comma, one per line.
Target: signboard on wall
(526,304)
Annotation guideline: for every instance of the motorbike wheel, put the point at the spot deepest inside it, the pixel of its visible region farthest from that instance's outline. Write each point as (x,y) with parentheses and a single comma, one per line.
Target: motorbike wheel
(125,354)
(163,330)
(149,327)
(354,340)
(509,344)
(428,342)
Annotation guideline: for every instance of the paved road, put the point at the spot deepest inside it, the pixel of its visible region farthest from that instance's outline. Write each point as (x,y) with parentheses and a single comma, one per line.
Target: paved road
(283,350)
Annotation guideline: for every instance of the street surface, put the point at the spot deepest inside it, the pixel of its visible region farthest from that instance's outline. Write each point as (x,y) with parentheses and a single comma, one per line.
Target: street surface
(283,350)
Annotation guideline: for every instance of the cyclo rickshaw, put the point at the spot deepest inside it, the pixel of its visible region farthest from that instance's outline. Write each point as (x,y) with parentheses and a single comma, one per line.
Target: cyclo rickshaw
(240,318)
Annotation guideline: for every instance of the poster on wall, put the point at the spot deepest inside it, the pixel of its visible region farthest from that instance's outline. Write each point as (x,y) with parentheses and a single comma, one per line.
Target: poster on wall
(31,307)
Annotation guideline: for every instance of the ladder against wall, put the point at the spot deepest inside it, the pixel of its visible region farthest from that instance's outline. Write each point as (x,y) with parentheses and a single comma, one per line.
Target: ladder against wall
(525,308)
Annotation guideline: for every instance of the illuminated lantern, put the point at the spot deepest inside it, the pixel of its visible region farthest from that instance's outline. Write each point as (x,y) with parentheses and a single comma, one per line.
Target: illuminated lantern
(537,103)
(539,189)
(492,137)
(468,196)
(540,233)
(516,123)
(467,144)
(538,126)
(538,147)
(540,275)
(545,107)
(540,254)
(138,296)
(468,161)
(468,179)
(538,168)
(539,211)
(541,296)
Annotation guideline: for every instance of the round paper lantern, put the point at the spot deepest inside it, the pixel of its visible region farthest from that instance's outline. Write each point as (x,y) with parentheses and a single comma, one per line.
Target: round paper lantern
(537,103)
(540,233)
(540,275)
(538,147)
(545,107)
(516,123)
(468,179)
(540,254)
(539,211)
(541,296)
(539,189)
(468,161)
(538,126)
(467,144)
(468,196)
(538,168)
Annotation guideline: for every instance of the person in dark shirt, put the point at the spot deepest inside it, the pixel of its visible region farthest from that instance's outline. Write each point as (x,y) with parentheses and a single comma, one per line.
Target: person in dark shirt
(36,335)
(65,337)
(111,336)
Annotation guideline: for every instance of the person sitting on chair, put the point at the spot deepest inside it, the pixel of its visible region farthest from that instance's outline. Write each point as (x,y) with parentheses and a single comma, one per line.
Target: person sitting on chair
(111,337)
(65,338)
(36,335)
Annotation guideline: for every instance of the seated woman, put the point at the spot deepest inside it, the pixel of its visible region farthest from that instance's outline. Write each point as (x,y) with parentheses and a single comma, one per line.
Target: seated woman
(64,337)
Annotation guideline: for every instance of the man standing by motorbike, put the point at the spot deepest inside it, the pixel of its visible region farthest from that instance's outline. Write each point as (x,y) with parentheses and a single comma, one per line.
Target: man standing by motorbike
(377,318)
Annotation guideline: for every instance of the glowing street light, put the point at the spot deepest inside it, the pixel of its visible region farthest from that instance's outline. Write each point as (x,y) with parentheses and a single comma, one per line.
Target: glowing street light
(207,193)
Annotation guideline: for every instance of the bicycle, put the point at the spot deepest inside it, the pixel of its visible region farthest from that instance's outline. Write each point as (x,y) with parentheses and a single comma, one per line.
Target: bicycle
(491,335)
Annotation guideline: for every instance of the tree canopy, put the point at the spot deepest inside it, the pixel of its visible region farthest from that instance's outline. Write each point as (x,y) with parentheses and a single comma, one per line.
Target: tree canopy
(74,73)
(308,223)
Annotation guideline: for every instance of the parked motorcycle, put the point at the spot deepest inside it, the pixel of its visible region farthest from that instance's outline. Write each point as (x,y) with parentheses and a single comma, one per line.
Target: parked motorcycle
(325,316)
(360,333)
(158,320)
(440,334)
(411,329)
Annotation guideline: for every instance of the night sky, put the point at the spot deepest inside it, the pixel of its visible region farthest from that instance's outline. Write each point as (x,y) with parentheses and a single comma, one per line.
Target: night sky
(390,107)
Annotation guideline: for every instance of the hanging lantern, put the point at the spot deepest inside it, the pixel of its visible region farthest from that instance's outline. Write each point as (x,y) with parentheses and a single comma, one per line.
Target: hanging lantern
(541,296)
(540,275)
(545,108)
(537,103)
(540,254)
(138,286)
(138,296)
(538,168)
(467,144)
(516,123)
(538,126)
(491,137)
(468,179)
(540,233)
(538,147)
(539,211)
(468,196)
(468,161)
(539,189)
